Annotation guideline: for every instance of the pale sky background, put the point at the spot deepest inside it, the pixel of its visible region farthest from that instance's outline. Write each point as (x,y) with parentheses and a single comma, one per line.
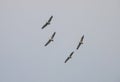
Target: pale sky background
(23,57)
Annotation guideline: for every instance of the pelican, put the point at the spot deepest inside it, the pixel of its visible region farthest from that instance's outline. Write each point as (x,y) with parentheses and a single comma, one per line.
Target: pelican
(70,56)
(51,39)
(47,23)
(81,42)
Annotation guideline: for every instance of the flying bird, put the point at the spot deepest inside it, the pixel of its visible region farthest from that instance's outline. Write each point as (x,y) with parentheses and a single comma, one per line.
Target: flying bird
(70,56)
(81,42)
(47,23)
(51,39)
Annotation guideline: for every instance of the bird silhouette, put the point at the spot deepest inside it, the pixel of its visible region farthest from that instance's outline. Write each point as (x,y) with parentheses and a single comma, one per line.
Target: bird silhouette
(70,56)
(47,23)
(51,39)
(81,42)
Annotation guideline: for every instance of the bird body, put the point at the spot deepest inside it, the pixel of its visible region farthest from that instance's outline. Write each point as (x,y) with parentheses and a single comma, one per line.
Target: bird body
(81,42)
(47,23)
(51,39)
(70,56)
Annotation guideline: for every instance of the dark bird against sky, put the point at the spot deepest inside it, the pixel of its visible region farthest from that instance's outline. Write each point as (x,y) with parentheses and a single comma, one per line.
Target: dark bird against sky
(51,39)
(70,56)
(47,23)
(81,42)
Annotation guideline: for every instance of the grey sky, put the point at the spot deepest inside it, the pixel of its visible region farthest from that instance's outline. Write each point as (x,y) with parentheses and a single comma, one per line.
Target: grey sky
(23,57)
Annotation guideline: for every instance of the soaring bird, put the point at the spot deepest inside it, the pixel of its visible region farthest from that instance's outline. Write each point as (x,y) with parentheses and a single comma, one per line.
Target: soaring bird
(47,23)
(70,56)
(51,39)
(81,42)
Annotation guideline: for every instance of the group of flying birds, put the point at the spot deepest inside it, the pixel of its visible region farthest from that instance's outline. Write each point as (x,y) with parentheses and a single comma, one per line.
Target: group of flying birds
(51,39)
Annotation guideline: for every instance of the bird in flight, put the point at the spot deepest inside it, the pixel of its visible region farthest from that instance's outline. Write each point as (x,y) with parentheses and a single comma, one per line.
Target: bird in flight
(51,39)
(81,42)
(47,23)
(70,56)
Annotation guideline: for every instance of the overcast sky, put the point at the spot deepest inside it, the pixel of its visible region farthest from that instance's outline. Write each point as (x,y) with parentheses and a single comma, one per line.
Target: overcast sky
(23,57)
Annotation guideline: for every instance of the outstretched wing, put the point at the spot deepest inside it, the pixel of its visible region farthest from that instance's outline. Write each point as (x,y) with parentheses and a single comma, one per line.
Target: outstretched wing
(71,54)
(78,45)
(50,19)
(44,25)
(53,35)
(48,42)
(67,59)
